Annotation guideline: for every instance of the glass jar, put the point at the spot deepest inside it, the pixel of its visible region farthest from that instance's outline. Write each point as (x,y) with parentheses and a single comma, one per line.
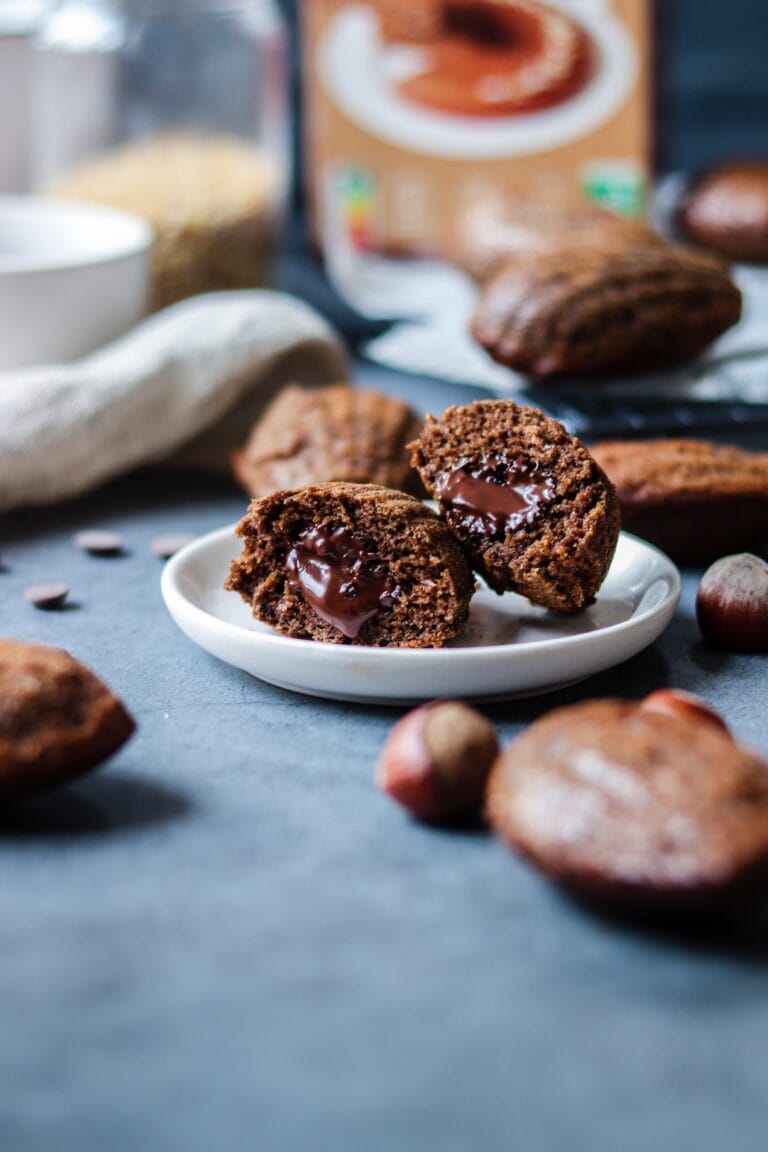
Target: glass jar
(18,20)
(176,110)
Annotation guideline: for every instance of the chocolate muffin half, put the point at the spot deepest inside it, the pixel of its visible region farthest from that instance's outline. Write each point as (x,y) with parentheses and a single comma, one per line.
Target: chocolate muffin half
(527,501)
(352,564)
(314,436)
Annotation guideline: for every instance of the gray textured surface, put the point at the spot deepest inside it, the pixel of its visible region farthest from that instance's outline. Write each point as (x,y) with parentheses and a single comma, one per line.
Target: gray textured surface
(228,940)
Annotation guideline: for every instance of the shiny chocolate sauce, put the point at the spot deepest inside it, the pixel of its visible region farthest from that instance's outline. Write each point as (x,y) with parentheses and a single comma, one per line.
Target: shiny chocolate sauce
(344,583)
(491,496)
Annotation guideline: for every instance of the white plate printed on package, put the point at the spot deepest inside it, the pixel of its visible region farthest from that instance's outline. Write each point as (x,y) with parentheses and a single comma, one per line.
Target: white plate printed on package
(361,72)
(508,648)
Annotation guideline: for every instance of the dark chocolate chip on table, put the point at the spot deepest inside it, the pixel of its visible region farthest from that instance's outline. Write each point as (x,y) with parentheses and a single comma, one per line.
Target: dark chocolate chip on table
(47,595)
(99,543)
(167,545)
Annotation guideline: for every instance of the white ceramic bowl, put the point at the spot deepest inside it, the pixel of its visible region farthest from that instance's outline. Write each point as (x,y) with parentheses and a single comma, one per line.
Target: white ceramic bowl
(72,277)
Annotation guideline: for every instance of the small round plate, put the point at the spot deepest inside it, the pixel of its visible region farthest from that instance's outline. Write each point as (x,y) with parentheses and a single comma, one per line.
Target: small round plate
(508,648)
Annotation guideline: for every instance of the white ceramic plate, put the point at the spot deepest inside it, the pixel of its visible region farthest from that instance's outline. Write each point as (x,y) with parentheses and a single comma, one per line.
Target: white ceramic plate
(507,648)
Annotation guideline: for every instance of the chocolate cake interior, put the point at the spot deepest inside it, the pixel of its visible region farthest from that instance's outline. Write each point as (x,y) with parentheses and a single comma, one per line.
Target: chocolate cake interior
(341,578)
(530,506)
(350,563)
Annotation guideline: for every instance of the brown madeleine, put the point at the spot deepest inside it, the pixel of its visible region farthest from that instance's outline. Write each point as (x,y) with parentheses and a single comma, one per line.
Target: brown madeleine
(617,801)
(586,312)
(57,719)
(726,210)
(315,436)
(693,499)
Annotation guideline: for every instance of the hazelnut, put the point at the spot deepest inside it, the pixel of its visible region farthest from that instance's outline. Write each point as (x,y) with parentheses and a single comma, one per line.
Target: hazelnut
(732,603)
(437,759)
(675,702)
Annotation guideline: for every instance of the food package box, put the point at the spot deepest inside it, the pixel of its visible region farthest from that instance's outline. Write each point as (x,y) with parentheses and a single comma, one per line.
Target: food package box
(416,110)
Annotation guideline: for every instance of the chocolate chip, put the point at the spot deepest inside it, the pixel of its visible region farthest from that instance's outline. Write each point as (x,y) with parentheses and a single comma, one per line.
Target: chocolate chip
(99,543)
(166,546)
(47,595)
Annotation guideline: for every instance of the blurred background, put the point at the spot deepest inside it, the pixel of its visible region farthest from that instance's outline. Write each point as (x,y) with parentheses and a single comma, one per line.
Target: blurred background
(229,208)
(712,83)
(227,942)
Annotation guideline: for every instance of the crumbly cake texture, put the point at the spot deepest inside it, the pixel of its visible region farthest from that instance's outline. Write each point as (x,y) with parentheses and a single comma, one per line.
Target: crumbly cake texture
(560,556)
(726,210)
(57,720)
(322,435)
(616,801)
(210,199)
(693,499)
(495,231)
(585,312)
(433,581)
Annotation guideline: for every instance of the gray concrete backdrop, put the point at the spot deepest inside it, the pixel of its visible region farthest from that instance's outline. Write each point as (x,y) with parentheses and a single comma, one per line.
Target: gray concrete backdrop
(228,940)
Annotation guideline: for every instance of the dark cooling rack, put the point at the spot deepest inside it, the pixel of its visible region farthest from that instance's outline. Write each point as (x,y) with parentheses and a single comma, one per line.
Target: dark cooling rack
(588,413)
(591,415)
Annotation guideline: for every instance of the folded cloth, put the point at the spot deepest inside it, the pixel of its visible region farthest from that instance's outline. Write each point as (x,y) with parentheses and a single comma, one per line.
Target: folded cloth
(187,383)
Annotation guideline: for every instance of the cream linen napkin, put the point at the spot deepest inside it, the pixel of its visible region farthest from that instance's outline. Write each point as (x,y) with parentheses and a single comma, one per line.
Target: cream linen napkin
(188,383)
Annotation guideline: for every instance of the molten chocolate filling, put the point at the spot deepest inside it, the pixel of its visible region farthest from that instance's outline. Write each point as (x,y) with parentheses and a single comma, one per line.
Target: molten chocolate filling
(491,497)
(341,580)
